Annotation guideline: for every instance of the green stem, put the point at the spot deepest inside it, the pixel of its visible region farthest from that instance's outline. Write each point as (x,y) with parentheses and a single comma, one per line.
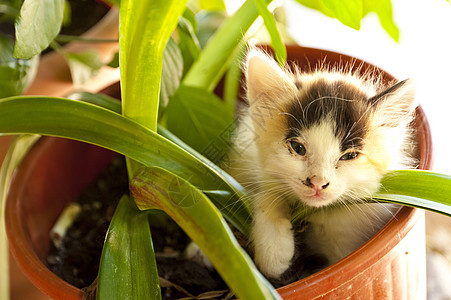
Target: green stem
(145,27)
(64,38)
(208,69)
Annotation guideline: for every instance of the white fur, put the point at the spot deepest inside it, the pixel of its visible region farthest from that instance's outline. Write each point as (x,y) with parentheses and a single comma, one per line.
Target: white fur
(274,175)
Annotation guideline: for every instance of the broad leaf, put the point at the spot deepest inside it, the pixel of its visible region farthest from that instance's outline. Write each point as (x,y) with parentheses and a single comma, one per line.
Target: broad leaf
(38,24)
(114,63)
(188,43)
(172,72)
(201,120)
(128,268)
(83,65)
(270,24)
(195,214)
(349,12)
(384,11)
(15,74)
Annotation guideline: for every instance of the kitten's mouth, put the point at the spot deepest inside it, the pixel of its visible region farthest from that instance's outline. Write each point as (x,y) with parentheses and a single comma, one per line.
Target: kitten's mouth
(316,199)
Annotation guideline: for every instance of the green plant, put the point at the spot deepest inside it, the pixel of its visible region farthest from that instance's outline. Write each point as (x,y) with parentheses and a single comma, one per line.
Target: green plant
(163,170)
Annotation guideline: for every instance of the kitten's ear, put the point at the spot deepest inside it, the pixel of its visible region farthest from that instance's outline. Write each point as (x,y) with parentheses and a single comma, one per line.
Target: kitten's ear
(267,83)
(396,104)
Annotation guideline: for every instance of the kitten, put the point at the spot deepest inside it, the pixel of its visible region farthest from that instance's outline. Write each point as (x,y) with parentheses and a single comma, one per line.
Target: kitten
(324,139)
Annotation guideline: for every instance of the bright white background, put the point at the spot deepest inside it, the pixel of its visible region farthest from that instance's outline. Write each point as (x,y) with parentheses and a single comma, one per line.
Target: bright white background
(423,53)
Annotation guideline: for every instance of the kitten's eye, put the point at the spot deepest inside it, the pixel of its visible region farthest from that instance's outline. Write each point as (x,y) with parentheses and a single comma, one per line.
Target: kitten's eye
(349,156)
(298,148)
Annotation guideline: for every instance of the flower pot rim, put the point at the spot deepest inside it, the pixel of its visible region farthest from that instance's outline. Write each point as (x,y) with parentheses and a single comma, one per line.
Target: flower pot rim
(390,235)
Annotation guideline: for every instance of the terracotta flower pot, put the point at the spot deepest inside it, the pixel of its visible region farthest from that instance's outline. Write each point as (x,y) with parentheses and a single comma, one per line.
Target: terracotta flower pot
(390,265)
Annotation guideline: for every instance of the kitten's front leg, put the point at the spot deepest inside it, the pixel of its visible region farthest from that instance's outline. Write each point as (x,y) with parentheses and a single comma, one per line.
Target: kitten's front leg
(272,237)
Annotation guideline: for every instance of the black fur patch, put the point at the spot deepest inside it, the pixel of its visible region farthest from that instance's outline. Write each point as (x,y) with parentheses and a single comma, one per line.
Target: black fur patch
(337,100)
(375,99)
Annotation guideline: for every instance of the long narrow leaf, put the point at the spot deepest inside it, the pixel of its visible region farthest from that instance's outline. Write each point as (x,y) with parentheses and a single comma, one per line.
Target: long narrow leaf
(206,71)
(417,188)
(235,210)
(128,268)
(95,125)
(199,218)
(270,24)
(145,27)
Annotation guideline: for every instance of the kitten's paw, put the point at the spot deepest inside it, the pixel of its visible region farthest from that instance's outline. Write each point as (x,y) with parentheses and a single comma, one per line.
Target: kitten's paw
(274,247)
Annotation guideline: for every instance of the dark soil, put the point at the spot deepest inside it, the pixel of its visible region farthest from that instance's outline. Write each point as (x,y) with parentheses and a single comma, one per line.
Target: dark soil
(77,258)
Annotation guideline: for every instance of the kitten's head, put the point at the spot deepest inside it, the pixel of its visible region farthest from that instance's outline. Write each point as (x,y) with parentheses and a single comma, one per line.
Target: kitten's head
(326,136)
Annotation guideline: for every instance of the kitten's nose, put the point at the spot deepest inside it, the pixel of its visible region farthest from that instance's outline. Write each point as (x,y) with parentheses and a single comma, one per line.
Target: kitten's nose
(317,183)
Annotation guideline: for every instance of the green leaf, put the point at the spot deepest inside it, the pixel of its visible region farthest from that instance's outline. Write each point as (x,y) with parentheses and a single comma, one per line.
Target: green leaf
(172,72)
(38,24)
(348,12)
(201,120)
(101,100)
(209,68)
(113,2)
(208,22)
(145,27)
(67,14)
(317,5)
(270,24)
(9,11)
(83,65)
(236,210)
(384,11)
(15,74)
(114,63)
(98,126)
(188,43)
(196,215)
(128,268)
(212,5)
(417,188)
(233,75)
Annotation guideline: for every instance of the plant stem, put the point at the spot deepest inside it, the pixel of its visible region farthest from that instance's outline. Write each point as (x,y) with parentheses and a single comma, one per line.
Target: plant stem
(208,69)
(64,38)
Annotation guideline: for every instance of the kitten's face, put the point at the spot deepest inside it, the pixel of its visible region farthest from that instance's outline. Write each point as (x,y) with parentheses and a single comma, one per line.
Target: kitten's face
(324,137)
(314,167)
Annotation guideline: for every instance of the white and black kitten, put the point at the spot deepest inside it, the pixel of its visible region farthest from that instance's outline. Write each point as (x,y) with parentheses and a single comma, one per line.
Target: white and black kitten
(324,138)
